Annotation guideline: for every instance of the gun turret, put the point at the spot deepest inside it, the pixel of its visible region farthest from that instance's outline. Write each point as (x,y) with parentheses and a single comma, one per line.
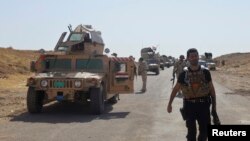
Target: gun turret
(82,40)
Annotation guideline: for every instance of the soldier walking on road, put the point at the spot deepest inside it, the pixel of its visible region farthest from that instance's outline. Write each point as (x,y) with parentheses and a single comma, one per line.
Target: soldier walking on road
(179,68)
(198,90)
(142,70)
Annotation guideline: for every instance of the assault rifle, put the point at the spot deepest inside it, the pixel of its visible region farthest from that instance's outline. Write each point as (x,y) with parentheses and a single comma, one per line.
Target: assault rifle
(173,79)
(214,114)
(216,119)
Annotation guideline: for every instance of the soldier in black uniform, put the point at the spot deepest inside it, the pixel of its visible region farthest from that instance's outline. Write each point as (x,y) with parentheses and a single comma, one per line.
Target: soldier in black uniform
(197,87)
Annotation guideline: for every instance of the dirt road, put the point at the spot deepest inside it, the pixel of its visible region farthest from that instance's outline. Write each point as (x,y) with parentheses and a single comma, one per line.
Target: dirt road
(138,117)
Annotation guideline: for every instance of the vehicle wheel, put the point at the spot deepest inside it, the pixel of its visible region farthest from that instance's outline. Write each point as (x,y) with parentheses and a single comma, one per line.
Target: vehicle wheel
(157,72)
(34,101)
(113,99)
(97,100)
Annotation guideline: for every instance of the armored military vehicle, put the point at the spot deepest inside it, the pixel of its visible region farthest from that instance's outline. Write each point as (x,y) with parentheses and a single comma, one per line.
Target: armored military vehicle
(153,62)
(78,70)
(209,60)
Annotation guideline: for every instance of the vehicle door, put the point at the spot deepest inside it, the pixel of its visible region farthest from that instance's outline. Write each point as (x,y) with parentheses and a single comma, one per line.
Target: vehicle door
(122,71)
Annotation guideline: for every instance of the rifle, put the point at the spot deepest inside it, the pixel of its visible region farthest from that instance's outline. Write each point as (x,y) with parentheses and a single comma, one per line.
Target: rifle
(214,114)
(216,119)
(173,79)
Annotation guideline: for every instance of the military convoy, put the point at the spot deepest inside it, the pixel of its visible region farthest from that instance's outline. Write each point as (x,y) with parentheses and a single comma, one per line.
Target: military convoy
(207,57)
(78,70)
(152,59)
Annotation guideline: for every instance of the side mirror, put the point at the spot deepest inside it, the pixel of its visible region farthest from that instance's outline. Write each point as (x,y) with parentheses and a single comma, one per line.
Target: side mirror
(107,50)
(32,66)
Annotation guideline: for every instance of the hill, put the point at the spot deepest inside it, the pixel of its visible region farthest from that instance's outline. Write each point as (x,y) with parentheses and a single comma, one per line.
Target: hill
(15,61)
(235,63)
(234,73)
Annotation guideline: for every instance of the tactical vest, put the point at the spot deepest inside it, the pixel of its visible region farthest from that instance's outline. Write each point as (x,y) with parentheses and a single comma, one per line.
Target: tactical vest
(196,84)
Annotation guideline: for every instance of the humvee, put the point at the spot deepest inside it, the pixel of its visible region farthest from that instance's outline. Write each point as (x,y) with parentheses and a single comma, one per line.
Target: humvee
(78,70)
(153,63)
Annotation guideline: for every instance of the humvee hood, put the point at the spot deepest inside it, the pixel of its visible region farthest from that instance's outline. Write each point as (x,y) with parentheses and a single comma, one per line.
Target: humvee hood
(70,75)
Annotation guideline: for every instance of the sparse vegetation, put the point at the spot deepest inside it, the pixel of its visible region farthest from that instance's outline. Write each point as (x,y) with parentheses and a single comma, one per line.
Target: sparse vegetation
(15,61)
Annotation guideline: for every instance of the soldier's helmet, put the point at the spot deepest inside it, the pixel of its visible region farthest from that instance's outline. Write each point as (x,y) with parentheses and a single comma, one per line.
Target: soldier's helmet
(114,54)
(140,59)
(182,57)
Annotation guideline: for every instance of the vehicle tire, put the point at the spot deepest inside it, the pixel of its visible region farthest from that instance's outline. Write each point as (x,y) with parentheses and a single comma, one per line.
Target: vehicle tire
(34,101)
(97,100)
(113,99)
(157,72)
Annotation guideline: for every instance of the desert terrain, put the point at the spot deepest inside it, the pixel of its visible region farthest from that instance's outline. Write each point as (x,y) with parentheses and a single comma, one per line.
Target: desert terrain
(14,70)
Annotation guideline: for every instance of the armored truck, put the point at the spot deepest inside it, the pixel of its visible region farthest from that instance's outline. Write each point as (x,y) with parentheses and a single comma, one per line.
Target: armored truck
(153,62)
(78,70)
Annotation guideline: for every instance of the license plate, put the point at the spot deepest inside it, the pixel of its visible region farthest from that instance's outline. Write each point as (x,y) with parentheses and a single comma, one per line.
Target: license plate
(58,84)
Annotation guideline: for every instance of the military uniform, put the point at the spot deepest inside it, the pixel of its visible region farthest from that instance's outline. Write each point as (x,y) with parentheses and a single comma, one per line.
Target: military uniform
(179,67)
(142,70)
(195,88)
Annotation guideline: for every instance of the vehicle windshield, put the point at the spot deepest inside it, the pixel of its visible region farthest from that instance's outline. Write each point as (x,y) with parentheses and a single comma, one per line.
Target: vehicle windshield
(58,64)
(203,63)
(76,37)
(62,48)
(89,64)
(152,61)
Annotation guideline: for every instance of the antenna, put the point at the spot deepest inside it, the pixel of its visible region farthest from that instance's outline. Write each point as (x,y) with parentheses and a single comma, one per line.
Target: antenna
(70,28)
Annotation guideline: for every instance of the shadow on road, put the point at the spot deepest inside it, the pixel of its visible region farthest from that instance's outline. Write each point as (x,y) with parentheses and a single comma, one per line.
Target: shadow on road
(151,74)
(67,113)
(139,92)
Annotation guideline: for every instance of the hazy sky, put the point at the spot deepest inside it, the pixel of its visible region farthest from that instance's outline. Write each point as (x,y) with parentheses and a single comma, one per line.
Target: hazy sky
(217,26)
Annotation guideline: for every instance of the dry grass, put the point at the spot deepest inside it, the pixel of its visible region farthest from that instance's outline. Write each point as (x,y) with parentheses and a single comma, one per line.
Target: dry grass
(15,61)
(235,63)
(235,73)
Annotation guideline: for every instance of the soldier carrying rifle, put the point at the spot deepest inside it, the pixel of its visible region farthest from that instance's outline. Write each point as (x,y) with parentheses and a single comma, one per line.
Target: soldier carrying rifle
(198,91)
(179,68)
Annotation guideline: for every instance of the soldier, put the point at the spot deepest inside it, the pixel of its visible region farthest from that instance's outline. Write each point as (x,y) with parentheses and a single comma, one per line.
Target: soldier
(197,87)
(142,70)
(135,68)
(179,67)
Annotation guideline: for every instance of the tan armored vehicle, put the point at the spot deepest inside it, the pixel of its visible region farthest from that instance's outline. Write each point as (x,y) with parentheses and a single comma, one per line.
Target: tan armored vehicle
(149,55)
(77,70)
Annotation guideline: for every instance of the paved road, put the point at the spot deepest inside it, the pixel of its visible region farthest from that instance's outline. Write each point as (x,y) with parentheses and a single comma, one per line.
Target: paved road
(137,117)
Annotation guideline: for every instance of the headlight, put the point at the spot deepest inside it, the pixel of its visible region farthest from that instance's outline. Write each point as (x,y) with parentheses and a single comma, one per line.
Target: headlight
(31,81)
(44,83)
(78,83)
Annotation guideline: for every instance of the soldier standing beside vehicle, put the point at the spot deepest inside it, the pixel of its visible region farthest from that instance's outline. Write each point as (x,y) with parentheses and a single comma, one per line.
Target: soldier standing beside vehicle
(135,68)
(142,70)
(198,90)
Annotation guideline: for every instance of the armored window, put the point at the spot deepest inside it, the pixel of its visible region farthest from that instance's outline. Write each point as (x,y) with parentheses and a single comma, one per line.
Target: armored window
(152,61)
(62,48)
(123,67)
(89,64)
(62,64)
(76,37)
